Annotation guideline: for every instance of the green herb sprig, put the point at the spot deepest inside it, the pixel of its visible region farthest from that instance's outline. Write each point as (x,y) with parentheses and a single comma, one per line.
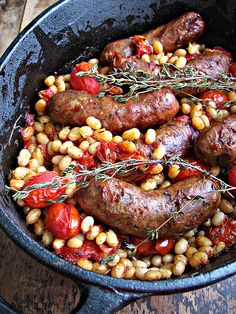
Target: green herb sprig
(139,82)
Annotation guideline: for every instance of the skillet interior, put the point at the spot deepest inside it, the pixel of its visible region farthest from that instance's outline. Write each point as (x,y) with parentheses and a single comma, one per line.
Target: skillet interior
(76,30)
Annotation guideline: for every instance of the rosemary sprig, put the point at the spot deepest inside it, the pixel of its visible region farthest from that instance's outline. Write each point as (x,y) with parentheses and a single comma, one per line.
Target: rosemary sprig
(107,170)
(139,82)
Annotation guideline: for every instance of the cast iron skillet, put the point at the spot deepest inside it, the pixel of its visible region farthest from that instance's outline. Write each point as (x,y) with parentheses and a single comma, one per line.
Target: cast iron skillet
(77,30)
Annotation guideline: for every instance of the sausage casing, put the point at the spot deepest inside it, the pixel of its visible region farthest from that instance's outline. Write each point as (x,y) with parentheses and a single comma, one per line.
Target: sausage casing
(73,107)
(216,146)
(175,34)
(132,211)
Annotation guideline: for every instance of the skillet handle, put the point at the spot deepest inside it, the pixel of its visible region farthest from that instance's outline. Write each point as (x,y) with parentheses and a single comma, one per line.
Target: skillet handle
(100,301)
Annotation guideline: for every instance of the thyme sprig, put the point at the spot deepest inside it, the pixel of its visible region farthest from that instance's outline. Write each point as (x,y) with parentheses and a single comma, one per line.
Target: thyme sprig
(139,82)
(107,170)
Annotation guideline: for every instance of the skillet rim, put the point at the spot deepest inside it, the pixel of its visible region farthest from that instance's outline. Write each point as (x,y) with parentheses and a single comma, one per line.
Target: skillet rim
(45,257)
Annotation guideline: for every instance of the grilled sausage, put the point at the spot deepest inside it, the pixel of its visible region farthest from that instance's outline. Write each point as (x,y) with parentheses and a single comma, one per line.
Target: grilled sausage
(73,107)
(177,136)
(177,33)
(132,211)
(213,62)
(216,146)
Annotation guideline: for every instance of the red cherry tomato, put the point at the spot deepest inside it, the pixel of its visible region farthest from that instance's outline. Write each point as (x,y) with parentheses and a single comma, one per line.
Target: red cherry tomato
(87,160)
(89,249)
(225,233)
(147,246)
(106,152)
(232,177)
(86,83)
(190,172)
(218,97)
(63,220)
(232,69)
(40,196)
(164,246)
(143,50)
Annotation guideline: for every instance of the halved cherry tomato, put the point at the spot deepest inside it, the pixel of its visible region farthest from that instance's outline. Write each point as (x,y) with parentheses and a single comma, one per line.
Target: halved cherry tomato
(143,50)
(218,97)
(146,248)
(40,196)
(232,69)
(86,83)
(106,151)
(46,94)
(87,160)
(232,177)
(63,220)
(89,249)
(225,233)
(164,246)
(189,172)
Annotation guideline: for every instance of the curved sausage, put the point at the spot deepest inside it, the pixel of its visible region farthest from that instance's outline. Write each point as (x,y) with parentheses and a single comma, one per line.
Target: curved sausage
(73,107)
(175,34)
(216,146)
(132,211)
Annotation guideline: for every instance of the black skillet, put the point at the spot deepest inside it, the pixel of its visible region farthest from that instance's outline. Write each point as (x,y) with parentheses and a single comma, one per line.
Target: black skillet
(77,30)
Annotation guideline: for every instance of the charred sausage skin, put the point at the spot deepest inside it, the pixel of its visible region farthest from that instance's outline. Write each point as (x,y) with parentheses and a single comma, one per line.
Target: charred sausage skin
(216,146)
(73,107)
(175,34)
(132,211)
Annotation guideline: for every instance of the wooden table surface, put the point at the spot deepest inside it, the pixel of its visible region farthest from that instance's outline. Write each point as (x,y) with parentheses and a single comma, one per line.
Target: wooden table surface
(33,288)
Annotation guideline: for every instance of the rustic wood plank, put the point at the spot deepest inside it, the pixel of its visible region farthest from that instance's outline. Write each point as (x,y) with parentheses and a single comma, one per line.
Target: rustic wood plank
(32,287)
(33,8)
(10,20)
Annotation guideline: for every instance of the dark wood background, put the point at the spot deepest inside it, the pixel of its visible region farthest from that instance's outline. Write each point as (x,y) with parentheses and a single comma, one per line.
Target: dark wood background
(33,288)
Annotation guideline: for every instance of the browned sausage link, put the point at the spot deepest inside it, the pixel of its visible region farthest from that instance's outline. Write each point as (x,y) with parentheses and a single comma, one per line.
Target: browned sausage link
(177,137)
(74,107)
(132,211)
(216,146)
(212,62)
(177,33)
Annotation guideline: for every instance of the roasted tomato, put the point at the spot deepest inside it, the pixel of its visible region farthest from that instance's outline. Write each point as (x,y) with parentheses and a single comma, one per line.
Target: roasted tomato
(164,246)
(232,69)
(26,133)
(145,247)
(106,151)
(40,196)
(218,97)
(190,172)
(89,249)
(232,177)
(86,160)
(63,220)
(46,94)
(225,233)
(86,83)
